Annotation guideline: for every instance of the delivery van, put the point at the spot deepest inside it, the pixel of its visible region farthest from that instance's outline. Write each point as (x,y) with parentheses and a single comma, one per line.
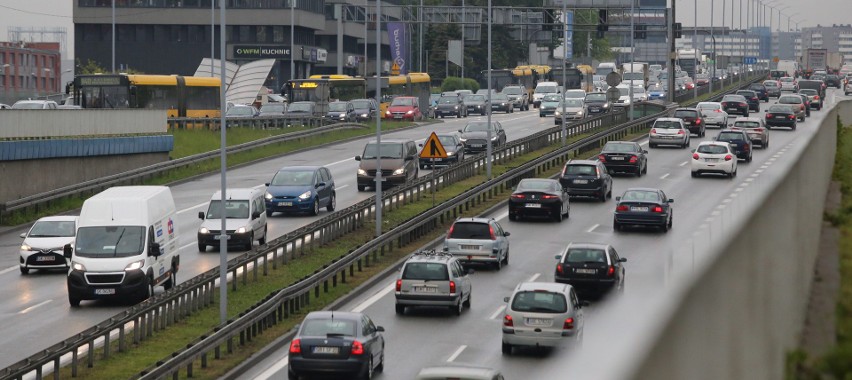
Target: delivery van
(126,244)
(245,219)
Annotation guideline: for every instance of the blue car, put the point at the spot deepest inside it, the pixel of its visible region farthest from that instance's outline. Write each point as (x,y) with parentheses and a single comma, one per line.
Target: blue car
(300,189)
(656,93)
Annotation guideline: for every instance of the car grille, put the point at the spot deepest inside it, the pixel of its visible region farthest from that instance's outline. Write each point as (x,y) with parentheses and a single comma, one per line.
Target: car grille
(398,114)
(284,198)
(385,173)
(105,278)
(476,142)
(217,232)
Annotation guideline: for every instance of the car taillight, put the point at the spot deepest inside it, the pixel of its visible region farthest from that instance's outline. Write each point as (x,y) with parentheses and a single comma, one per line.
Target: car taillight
(602,158)
(755,99)
(450,232)
(452,286)
(718,110)
(743,105)
(549,196)
(791,117)
(698,121)
(559,268)
(681,132)
(491,230)
(610,271)
(633,159)
(657,209)
(816,97)
(357,348)
(728,157)
(759,129)
(295,346)
(569,324)
(621,208)
(398,285)
(769,115)
(695,156)
(518,196)
(507,321)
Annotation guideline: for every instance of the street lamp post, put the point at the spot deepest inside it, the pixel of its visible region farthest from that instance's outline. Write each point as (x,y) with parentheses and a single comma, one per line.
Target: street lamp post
(694,47)
(564,67)
(713,38)
(223,237)
(379,202)
(292,39)
(632,58)
(113,36)
(488,133)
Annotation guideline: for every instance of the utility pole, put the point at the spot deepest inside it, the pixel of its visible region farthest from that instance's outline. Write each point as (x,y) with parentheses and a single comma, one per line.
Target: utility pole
(464,20)
(564,67)
(672,54)
(113,35)
(695,48)
(366,32)
(489,153)
(632,60)
(223,159)
(292,39)
(213,36)
(379,202)
(712,38)
(420,32)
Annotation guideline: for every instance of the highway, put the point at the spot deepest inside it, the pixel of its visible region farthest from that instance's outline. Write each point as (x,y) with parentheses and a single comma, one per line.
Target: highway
(426,337)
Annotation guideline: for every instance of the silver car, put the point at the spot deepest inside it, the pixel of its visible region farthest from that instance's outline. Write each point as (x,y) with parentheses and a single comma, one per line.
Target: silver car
(756,129)
(575,109)
(478,240)
(430,278)
(713,114)
(668,131)
(457,371)
(542,314)
(788,84)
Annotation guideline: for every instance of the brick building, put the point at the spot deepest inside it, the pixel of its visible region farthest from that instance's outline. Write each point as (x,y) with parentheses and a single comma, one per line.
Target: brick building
(29,69)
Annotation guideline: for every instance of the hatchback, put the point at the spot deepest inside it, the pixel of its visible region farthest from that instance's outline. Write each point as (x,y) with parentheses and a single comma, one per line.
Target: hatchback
(813,97)
(542,314)
(713,114)
(643,207)
(590,268)
(478,240)
(43,243)
(739,140)
(430,278)
(692,120)
(450,106)
(788,84)
(668,131)
(300,189)
(756,129)
(714,157)
(586,178)
(539,197)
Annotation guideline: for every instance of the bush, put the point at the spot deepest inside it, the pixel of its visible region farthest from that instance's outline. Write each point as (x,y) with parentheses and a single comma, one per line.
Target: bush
(456,83)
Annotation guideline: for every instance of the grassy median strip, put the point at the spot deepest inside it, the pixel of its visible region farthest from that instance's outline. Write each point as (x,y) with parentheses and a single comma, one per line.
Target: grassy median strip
(131,362)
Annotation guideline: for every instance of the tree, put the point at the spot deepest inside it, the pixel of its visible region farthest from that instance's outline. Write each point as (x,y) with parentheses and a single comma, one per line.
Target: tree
(90,67)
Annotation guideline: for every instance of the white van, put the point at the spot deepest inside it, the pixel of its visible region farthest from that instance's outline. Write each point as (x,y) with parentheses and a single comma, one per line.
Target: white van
(126,244)
(245,219)
(542,89)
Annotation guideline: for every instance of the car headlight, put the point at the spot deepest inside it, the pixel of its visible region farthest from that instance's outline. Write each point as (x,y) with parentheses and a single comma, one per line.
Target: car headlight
(580,113)
(606,105)
(305,195)
(363,115)
(410,112)
(502,104)
(135,265)
(463,139)
(450,153)
(399,171)
(25,247)
(268,196)
(387,112)
(557,113)
(342,116)
(362,172)
(240,230)
(456,107)
(203,230)
(494,138)
(77,266)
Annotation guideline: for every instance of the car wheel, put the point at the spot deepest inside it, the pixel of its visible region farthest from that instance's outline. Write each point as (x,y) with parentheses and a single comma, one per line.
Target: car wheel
(664,227)
(362,188)
(652,145)
(269,213)
(315,207)
(746,114)
(332,203)
(498,265)
(381,366)
(694,174)
(748,159)
(172,281)
(506,258)
(457,309)
(616,226)
(73,301)
(25,270)
(766,145)
(202,247)
(506,348)
(148,292)
(639,170)
(603,196)
(400,309)
(262,240)
(512,217)
(467,301)
(368,373)
(558,217)
(249,242)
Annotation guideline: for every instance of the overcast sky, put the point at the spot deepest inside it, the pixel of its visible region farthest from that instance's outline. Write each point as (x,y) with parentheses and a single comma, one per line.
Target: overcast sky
(57,13)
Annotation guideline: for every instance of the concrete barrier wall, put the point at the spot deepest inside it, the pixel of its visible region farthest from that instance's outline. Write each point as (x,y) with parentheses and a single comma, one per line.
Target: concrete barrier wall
(732,299)
(62,123)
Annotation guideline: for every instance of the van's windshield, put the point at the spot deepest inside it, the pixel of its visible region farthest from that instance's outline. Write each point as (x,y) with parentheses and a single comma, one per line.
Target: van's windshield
(393,150)
(233,209)
(109,241)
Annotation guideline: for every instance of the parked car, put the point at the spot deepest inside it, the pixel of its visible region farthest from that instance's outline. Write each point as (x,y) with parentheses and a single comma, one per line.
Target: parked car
(273,109)
(738,104)
(714,157)
(643,207)
(781,115)
(668,131)
(404,108)
(300,189)
(478,240)
(452,145)
(519,95)
(42,248)
(542,314)
(796,102)
(339,111)
(474,135)
(597,103)
(476,103)
(713,114)
(586,178)
(751,98)
(501,102)
(624,156)
(399,163)
(739,140)
(364,109)
(575,109)
(434,279)
(692,120)
(451,106)
(591,268)
(755,127)
(539,197)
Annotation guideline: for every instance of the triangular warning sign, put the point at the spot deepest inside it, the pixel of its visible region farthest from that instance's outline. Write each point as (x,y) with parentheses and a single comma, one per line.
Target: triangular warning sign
(433,148)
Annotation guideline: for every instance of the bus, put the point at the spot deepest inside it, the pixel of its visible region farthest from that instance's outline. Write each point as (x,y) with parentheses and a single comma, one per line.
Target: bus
(499,78)
(323,89)
(573,77)
(412,84)
(541,73)
(180,96)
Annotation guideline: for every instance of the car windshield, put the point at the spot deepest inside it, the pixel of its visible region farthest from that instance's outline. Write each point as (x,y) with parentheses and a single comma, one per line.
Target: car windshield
(551,98)
(233,209)
(512,91)
(545,89)
(109,241)
(447,141)
(576,255)
(402,102)
(300,107)
(712,149)
(479,126)
(730,136)
(52,228)
(337,107)
(293,178)
(596,97)
(666,124)
(470,230)
(271,108)
(641,195)
(537,185)
(499,98)
(757,87)
(328,326)
(790,100)
(685,113)
(620,147)
(747,124)
(240,111)
(475,98)
(387,150)
(448,100)
(624,91)
(539,302)
(581,169)
(808,92)
(573,102)
(426,272)
(361,104)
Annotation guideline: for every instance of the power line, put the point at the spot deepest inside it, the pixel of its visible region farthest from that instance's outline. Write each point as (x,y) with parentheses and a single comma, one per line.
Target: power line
(81,17)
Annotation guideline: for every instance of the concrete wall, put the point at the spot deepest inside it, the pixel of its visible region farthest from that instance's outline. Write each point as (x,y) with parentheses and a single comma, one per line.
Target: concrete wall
(63,123)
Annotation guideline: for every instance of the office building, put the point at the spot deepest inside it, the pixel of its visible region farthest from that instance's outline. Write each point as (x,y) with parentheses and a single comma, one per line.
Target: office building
(29,70)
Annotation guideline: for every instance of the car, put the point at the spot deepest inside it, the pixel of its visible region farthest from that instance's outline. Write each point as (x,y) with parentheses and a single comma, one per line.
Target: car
(474,136)
(772,88)
(597,103)
(452,145)
(456,371)
(692,120)
(788,84)
(624,98)
(624,156)
(847,87)
(302,109)
(476,103)
(399,163)
(657,92)
(519,95)
(364,109)
(301,189)
(542,314)
(702,79)
(761,91)
(501,102)
(544,88)
(806,100)
(451,106)
(245,219)
(780,115)
(5,106)
(336,343)
(40,105)
(738,104)
(463,93)
(668,131)
(796,102)
(575,109)
(832,80)
(591,268)
(714,157)
(643,207)
(751,98)
(484,91)
(240,111)
(273,109)
(756,129)
(548,104)
(340,111)
(777,74)
(539,197)
(586,178)
(713,114)
(739,140)
(405,108)
(478,241)
(815,85)
(436,279)
(43,243)
(813,97)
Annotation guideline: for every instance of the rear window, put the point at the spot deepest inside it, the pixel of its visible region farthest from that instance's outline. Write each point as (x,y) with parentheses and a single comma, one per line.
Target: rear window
(770,84)
(712,149)
(668,124)
(790,100)
(540,302)
(685,113)
(470,230)
(581,169)
(330,326)
(619,147)
(730,136)
(426,272)
(747,124)
(639,195)
(586,256)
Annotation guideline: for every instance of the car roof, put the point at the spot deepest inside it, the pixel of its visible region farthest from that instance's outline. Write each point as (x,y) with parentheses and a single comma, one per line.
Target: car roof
(582,162)
(587,245)
(685,109)
(437,256)
(473,220)
(58,218)
(731,130)
(712,142)
(299,168)
(390,141)
(643,188)
(548,286)
(455,371)
(668,119)
(348,315)
(236,193)
(743,118)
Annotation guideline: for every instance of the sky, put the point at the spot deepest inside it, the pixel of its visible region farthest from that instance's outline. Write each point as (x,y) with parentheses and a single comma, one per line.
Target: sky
(57,13)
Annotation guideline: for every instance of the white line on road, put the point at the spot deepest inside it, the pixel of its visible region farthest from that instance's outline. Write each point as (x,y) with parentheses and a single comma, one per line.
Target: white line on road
(497,312)
(27,310)
(279,365)
(535,276)
(190,245)
(373,299)
(683,163)
(593,228)
(457,353)
(10,269)
(665,175)
(338,162)
(501,216)
(644,142)
(341,187)
(191,208)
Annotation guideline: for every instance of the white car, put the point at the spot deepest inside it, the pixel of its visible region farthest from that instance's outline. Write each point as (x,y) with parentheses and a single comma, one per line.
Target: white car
(34,105)
(714,157)
(713,114)
(542,314)
(43,243)
(639,94)
(789,84)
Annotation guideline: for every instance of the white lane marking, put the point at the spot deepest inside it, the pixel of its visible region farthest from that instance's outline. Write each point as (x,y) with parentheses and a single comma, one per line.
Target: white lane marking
(27,310)
(593,228)
(683,163)
(644,142)
(341,187)
(665,175)
(373,299)
(192,208)
(497,312)
(187,246)
(501,216)
(10,269)
(535,276)
(457,353)
(277,367)
(339,162)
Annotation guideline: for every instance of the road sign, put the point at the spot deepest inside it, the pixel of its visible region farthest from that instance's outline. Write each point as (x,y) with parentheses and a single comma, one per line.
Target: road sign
(613,94)
(749,60)
(395,69)
(775,59)
(433,148)
(613,79)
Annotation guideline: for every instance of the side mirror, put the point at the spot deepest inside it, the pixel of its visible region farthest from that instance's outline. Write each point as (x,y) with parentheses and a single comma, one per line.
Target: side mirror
(469,270)
(380,329)
(670,201)
(558,257)
(644,151)
(506,233)
(622,260)
(23,235)
(617,199)
(67,251)
(693,151)
(765,110)
(154,250)
(421,144)
(255,215)
(446,249)
(201,215)
(409,158)
(318,185)
(505,299)
(266,184)
(357,158)
(585,303)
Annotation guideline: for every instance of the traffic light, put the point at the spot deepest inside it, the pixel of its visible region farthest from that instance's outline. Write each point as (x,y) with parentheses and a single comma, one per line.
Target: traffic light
(678,30)
(639,32)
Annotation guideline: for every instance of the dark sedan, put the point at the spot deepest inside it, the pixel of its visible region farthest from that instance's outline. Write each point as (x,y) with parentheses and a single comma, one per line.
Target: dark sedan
(643,207)
(587,178)
(832,81)
(624,156)
(751,98)
(476,104)
(739,140)
(452,145)
(735,104)
(597,103)
(500,102)
(761,91)
(363,110)
(451,106)
(590,268)
(539,197)
(337,343)
(475,136)
(779,115)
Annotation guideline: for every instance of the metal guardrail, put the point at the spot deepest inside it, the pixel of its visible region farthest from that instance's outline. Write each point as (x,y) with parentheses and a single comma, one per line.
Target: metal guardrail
(261,122)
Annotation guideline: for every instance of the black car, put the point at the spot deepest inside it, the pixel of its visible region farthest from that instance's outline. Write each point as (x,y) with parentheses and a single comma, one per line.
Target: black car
(643,207)
(501,102)
(452,145)
(363,109)
(597,103)
(340,111)
(780,115)
(337,343)
(692,120)
(739,140)
(832,80)
(624,156)
(590,268)
(451,106)
(807,101)
(476,104)
(475,136)
(539,197)
(761,91)
(735,104)
(751,98)
(587,178)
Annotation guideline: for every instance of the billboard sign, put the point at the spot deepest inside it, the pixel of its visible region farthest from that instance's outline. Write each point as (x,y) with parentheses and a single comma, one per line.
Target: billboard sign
(399,45)
(569,35)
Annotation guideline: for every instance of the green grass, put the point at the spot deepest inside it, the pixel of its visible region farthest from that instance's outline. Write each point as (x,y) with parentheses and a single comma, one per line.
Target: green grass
(189,142)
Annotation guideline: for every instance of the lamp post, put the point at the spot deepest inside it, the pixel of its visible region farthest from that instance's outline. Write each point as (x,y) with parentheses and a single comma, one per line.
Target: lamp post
(713,38)
(212,35)
(113,36)
(694,47)
(223,237)
(632,59)
(379,118)
(488,137)
(292,38)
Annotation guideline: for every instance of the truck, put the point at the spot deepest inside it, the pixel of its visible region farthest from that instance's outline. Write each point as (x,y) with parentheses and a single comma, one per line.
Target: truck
(815,60)
(791,67)
(688,60)
(126,244)
(635,73)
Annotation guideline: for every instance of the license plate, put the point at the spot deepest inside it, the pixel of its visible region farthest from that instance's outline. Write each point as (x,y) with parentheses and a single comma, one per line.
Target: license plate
(617,158)
(538,322)
(711,159)
(425,289)
(397,117)
(581,181)
(644,209)
(45,258)
(533,205)
(286,204)
(477,146)
(469,247)
(326,350)
(104,292)
(732,109)
(780,117)
(585,271)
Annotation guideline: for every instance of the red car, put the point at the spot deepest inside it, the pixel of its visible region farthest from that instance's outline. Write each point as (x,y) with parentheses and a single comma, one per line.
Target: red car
(404,108)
